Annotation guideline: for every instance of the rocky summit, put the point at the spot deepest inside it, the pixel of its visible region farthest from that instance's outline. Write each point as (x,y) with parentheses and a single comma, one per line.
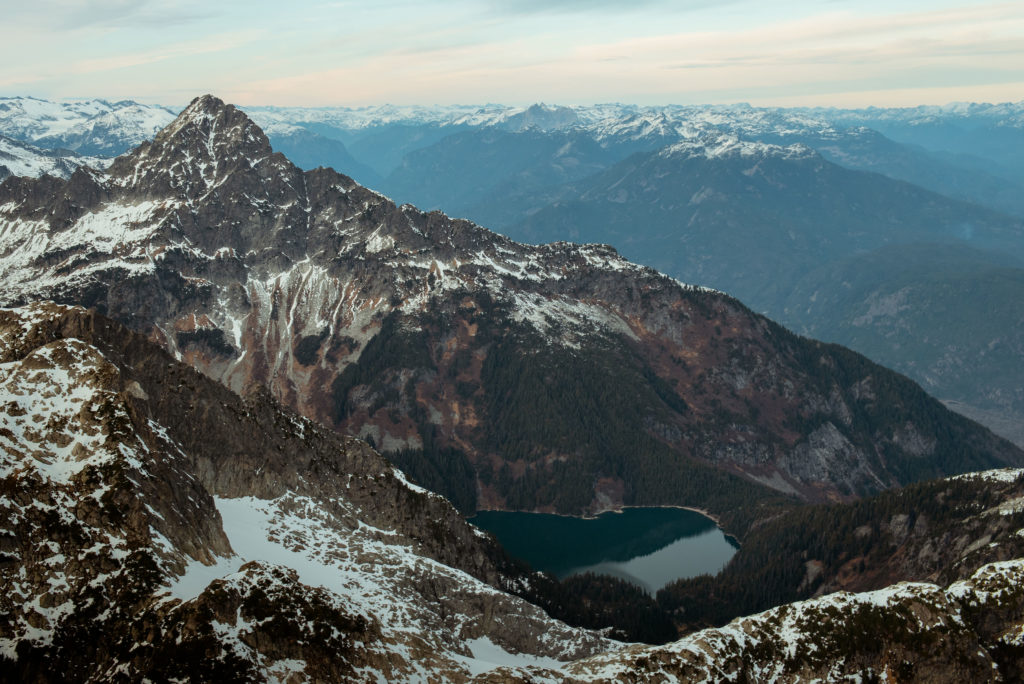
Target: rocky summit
(559,377)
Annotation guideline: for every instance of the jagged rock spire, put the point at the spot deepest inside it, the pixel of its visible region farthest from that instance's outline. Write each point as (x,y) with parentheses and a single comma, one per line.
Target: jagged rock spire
(206,142)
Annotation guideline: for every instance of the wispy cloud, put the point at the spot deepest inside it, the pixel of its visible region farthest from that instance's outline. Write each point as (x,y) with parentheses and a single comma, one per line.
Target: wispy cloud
(222,42)
(80,14)
(518,51)
(602,7)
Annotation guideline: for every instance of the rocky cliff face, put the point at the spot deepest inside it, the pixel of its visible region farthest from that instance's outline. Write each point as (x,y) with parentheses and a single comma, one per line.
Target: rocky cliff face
(559,376)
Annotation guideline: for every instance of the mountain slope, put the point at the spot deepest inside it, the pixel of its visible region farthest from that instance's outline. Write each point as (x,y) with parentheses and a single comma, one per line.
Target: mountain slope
(938,531)
(497,175)
(949,317)
(864,149)
(157,526)
(146,503)
(910,632)
(993,132)
(308,150)
(752,218)
(558,377)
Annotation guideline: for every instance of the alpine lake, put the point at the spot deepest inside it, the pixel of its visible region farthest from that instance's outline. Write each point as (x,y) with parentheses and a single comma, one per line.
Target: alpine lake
(649,547)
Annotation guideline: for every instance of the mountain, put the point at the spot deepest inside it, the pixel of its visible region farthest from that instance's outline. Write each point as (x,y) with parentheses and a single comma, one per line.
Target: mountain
(210,537)
(493,174)
(21,159)
(820,247)
(89,127)
(380,136)
(372,143)
(158,526)
(949,317)
(964,131)
(395,140)
(909,632)
(864,149)
(559,377)
(939,531)
(308,150)
(752,218)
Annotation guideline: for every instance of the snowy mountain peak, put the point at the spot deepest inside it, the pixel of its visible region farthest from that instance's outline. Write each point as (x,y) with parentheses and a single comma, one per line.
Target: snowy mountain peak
(197,151)
(208,125)
(543,117)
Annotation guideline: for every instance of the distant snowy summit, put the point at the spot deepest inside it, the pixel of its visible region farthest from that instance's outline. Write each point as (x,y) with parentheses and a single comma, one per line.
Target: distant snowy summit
(99,129)
(21,159)
(88,127)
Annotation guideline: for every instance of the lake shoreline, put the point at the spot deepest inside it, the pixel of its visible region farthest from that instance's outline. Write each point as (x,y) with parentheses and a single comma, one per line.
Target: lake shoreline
(648,546)
(595,516)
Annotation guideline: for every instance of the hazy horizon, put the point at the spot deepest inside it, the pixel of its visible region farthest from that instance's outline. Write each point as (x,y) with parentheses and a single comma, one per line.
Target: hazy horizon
(339,53)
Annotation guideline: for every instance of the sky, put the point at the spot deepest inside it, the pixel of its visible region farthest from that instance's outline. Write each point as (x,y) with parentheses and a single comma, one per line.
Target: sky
(342,53)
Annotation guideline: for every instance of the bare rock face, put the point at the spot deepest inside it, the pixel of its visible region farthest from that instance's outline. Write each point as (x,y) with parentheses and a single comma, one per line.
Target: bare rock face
(502,374)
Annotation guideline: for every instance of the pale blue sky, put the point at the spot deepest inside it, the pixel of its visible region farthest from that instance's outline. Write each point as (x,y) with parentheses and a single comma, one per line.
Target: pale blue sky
(339,52)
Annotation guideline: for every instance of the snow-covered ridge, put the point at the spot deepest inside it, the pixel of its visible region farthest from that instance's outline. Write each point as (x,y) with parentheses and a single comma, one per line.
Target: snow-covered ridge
(1005,475)
(838,637)
(94,126)
(605,122)
(724,146)
(355,118)
(115,127)
(1002,113)
(22,159)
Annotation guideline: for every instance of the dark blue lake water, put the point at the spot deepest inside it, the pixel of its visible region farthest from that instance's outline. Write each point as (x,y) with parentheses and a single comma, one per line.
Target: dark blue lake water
(647,546)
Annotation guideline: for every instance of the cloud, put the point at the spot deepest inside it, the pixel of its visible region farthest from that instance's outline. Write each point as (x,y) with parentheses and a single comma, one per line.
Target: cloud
(516,51)
(849,45)
(531,7)
(209,44)
(69,15)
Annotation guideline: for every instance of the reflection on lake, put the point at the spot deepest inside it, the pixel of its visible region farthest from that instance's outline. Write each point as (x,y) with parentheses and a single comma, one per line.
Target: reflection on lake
(647,546)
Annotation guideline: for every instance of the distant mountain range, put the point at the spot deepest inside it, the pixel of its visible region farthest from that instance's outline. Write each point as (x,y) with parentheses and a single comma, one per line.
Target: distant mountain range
(752,218)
